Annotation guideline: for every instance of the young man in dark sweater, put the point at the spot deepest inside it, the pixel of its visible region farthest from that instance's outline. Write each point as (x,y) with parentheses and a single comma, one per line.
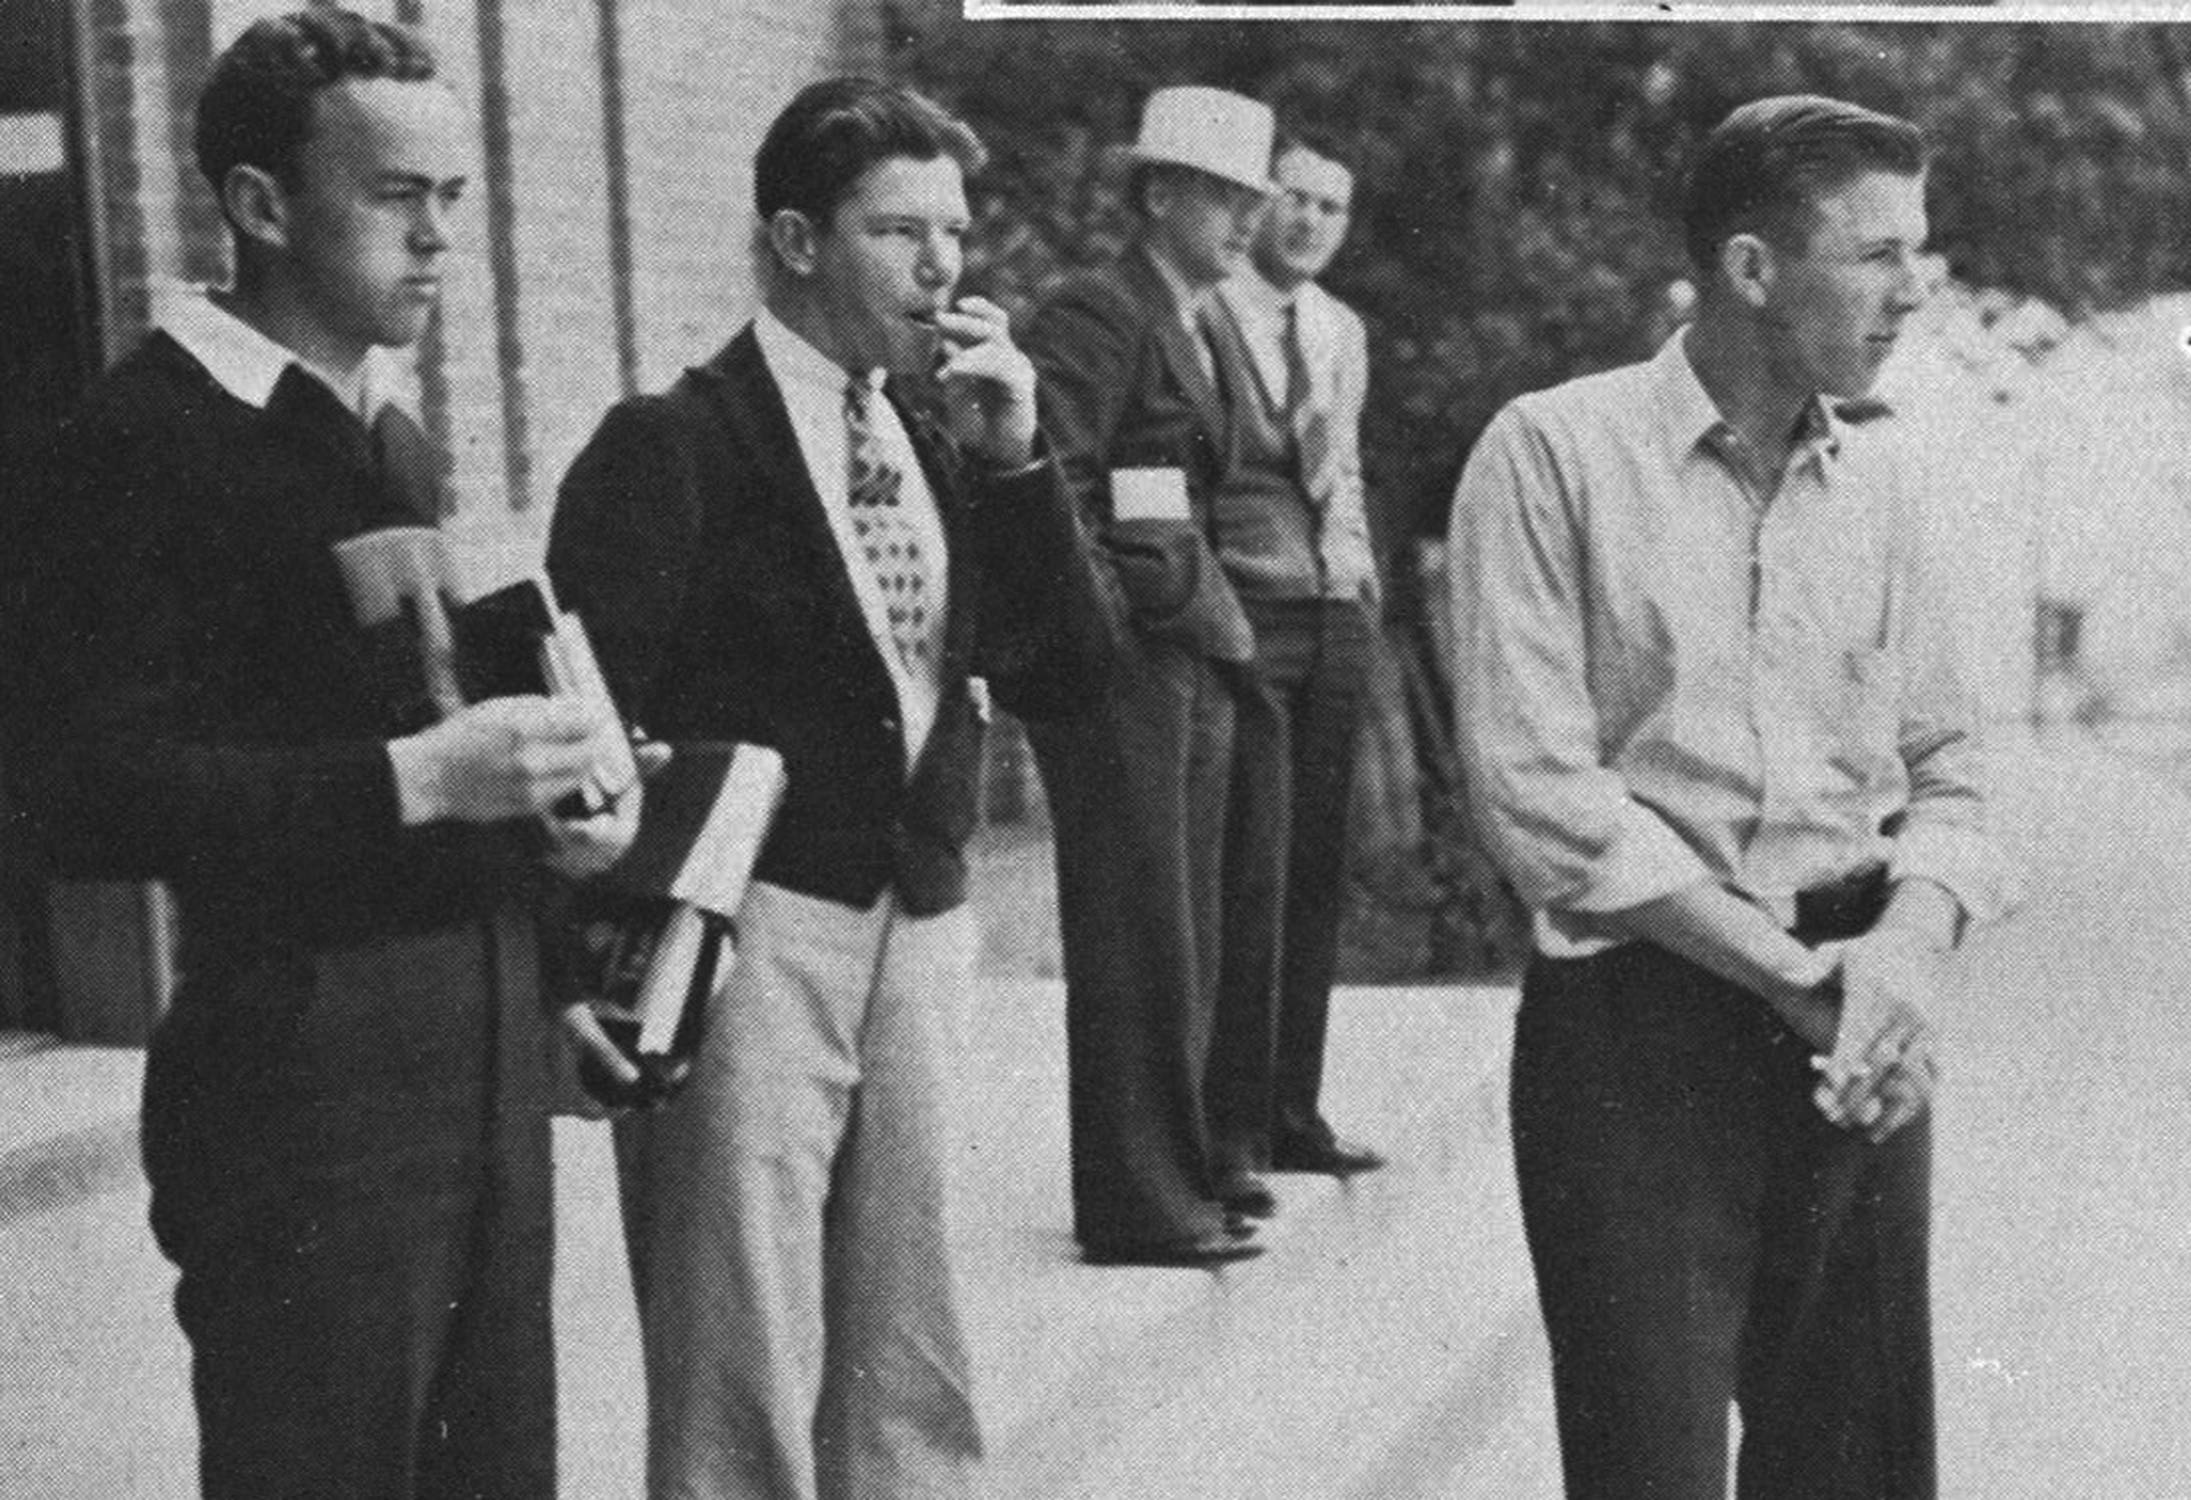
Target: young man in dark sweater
(345,1127)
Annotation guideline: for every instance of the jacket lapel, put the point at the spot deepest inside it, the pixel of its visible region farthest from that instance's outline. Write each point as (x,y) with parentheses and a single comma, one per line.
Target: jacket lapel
(753,409)
(1181,355)
(1255,354)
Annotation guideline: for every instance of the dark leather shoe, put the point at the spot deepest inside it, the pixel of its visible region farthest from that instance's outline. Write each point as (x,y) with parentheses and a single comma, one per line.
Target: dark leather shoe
(1243,1192)
(1202,1252)
(1327,1154)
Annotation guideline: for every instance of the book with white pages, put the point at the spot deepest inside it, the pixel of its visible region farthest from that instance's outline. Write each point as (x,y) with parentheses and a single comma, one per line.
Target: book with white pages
(702,824)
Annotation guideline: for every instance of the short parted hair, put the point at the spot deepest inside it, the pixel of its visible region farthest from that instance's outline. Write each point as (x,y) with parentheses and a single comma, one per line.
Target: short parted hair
(1313,140)
(1763,169)
(257,106)
(835,130)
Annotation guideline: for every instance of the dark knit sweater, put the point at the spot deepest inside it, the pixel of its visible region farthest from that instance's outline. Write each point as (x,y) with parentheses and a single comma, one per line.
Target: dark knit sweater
(204,708)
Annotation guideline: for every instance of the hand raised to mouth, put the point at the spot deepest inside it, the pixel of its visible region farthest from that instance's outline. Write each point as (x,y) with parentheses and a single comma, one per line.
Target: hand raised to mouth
(988,383)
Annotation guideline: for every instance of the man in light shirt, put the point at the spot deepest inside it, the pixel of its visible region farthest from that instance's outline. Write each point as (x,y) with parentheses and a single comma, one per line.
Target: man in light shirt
(346,1107)
(1293,536)
(1715,734)
(785,549)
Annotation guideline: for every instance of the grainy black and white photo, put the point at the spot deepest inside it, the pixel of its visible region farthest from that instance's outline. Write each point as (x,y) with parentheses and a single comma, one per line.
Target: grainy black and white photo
(975,750)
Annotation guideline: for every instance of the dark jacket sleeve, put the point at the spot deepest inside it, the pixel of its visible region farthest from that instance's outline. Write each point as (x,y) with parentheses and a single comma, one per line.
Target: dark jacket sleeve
(1108,404)
(625,539)
(1087,348)
(1049,631)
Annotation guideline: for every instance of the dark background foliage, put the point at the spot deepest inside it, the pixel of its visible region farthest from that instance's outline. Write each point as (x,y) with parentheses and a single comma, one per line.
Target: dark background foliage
(1516,179)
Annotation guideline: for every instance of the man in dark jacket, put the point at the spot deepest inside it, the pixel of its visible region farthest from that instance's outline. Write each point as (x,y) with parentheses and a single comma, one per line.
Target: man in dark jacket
(778,550)
(1133,397)
(345,1122)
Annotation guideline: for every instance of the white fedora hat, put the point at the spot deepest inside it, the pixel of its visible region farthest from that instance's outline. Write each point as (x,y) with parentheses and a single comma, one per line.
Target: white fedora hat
(1216,131)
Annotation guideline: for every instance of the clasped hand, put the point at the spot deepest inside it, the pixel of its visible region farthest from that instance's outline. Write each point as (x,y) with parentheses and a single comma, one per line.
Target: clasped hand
(1884,1063)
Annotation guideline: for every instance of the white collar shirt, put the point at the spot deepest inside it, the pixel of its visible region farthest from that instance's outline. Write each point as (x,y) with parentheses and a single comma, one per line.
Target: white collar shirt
(813,389)
(248,365)
(1261,311)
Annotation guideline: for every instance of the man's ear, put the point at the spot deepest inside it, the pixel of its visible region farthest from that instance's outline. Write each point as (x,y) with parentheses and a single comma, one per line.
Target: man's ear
(792,235)
(255,204)
(1747,263)
(1158,193)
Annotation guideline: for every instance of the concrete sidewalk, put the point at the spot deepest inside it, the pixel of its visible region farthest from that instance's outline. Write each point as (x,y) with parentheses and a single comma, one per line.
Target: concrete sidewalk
(1091,1382)
(1387,1348)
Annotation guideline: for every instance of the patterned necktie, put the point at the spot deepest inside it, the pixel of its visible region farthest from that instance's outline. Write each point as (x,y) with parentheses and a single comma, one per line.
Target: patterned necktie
(888,539)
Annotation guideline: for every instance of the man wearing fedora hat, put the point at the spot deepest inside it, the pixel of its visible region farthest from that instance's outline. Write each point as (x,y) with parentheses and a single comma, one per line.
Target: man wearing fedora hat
(1134,403)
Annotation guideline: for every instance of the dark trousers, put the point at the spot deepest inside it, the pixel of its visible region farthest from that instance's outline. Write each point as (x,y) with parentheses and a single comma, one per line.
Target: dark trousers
(1137,792)
(351,1167)
(1701,1236)
(1285,861)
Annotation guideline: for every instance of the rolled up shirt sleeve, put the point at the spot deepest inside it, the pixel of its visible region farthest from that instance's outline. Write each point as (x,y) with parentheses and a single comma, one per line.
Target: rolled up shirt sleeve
(1562,824)
(1942,834)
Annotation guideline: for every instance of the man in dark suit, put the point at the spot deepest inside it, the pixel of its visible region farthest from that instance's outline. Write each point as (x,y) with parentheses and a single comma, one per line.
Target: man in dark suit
(778,550)
(345,1122)
(1293,536)
(1132,398)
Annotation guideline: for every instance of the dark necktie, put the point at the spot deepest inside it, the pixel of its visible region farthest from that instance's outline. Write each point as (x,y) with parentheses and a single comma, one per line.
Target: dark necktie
(1208,348)
(887,537)
(1297,364)
(1311,424)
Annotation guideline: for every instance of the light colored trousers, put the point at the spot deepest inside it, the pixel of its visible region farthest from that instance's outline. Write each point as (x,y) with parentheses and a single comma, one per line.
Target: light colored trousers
(788,1223)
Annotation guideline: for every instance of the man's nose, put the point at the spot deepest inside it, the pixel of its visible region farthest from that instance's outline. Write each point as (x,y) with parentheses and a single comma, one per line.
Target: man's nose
(430,227)
(938,263)
(1908,291)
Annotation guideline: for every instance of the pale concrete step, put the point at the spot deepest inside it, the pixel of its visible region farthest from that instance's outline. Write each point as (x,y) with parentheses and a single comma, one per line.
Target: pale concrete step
(1377,1303)
(1380,1307)
(1296,1374)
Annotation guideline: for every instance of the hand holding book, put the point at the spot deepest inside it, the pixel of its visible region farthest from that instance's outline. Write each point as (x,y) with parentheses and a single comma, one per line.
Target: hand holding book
(656,934)
(465,621)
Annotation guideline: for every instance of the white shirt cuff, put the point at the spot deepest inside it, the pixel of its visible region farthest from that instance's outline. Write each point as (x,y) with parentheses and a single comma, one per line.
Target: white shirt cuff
(1971,866)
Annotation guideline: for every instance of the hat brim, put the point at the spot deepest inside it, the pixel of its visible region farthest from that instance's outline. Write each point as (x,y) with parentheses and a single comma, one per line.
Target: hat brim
(1141,157)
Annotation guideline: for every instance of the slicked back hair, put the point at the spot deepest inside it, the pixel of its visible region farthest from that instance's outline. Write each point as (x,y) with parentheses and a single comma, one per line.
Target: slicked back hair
(1763,169)
(835,130)
(256,109)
